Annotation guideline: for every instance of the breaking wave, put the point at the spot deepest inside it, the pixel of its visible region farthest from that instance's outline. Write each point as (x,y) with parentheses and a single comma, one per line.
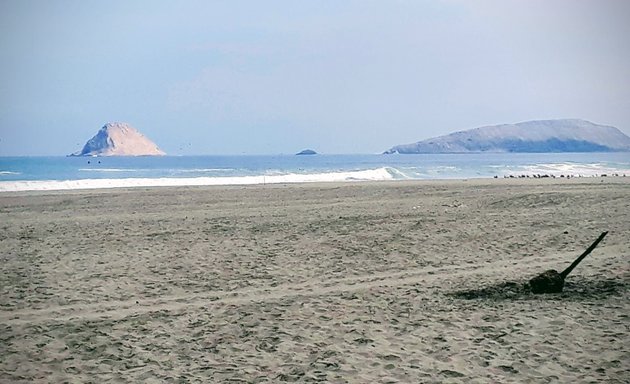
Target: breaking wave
(378,174)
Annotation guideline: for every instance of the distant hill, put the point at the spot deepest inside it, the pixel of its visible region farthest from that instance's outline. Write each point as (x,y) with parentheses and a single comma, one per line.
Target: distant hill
(119,139)
(565,135)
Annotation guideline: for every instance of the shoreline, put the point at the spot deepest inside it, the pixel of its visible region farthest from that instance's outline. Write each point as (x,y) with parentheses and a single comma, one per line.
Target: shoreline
(117,172)
(143,183)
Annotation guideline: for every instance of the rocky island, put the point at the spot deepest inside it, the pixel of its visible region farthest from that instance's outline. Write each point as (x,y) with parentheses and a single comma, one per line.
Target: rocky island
(306,152)
(119,139)
(564,135)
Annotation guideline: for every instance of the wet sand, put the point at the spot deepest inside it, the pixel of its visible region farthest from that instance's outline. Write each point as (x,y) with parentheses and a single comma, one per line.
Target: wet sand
(366,282)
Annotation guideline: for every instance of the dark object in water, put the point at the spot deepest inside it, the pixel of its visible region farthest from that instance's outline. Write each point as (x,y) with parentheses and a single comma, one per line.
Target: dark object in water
(551,281)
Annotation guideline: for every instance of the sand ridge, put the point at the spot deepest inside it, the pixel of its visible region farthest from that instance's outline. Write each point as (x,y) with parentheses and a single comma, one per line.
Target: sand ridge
(331,282)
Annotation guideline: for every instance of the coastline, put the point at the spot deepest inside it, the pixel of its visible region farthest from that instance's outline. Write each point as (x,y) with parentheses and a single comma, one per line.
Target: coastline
(260,182)
(367,176)
(347,281)
(52,173)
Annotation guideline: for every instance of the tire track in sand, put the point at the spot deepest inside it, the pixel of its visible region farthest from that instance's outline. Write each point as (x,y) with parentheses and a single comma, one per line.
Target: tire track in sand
(114,310)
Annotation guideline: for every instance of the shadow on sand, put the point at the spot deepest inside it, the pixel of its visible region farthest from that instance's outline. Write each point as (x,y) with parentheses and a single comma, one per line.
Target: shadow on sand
(575,289)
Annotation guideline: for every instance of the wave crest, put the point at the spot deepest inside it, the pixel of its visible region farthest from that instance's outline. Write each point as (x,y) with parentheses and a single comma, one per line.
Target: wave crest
(377,174)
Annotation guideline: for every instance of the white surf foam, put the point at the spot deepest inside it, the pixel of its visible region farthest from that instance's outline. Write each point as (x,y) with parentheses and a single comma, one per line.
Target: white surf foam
(54,185)
(202,170)
(110,170)
(130,170)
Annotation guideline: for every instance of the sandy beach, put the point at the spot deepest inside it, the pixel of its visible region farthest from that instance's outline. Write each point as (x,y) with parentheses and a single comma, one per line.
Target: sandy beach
(359,283)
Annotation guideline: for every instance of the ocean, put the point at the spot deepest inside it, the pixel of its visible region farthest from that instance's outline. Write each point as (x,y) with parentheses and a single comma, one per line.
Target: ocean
(60,173)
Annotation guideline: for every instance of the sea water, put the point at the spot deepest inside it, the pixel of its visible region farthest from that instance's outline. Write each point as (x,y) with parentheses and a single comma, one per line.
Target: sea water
(58,173)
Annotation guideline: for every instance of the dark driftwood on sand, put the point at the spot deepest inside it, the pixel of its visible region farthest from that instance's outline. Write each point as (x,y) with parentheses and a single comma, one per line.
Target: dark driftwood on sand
(547,282)
(553,282)
(577,261)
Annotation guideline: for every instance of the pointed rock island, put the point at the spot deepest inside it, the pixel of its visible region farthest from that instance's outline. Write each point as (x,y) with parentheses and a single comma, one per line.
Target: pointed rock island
(563,135)
(119,139)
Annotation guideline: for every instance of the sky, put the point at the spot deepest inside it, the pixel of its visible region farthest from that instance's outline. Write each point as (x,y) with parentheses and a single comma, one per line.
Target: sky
(275,77)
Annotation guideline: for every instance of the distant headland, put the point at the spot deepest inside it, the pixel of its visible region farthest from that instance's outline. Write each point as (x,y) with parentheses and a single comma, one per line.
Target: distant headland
(563,135)
(119,139)
(306,152)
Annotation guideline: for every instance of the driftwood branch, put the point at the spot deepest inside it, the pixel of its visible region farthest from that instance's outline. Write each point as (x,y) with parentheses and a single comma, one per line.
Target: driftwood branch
(577,261)
(551,281)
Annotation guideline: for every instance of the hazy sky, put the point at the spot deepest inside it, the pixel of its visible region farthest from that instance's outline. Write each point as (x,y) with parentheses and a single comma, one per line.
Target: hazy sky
(269,77)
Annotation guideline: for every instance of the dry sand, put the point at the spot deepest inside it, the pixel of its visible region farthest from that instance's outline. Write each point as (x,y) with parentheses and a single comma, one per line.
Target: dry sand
(339,283)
